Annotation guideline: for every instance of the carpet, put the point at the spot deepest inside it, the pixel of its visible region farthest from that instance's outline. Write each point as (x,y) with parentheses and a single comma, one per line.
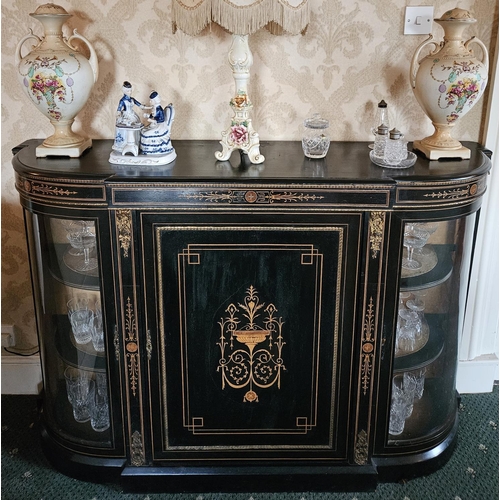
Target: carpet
(472,473)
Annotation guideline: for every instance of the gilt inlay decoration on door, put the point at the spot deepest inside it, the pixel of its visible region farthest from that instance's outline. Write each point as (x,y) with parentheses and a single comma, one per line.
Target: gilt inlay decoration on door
(251,344)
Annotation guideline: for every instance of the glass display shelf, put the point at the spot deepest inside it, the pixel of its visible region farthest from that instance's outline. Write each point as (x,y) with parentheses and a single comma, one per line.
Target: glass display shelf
(437,268)
(428,353)
(431,415)
(61,268)
(79,355)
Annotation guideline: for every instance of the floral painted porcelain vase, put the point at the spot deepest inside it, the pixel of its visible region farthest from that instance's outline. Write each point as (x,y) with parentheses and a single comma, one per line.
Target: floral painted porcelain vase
(447,83)
(58,79)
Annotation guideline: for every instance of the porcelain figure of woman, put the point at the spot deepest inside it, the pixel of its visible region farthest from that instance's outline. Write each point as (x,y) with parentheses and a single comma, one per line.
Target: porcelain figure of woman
(155,138)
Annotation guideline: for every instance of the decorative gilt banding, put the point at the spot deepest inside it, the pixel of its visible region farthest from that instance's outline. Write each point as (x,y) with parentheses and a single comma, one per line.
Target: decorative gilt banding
(367,347)
(131,347)
(377,222)
(137,451)
(45,189)
(124,226)
(253,196)
(116,343)
(361,448)
(452,193)
(251,353)
(149,344)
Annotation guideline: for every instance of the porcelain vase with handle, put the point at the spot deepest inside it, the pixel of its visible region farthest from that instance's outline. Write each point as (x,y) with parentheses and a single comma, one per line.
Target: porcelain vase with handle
(448,82)
(58,79)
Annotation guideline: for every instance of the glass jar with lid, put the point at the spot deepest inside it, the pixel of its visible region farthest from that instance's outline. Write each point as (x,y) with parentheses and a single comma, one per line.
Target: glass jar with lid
(316,138)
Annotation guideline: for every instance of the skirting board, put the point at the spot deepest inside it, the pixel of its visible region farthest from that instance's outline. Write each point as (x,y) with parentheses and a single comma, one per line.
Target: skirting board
(21,375)
(477,375)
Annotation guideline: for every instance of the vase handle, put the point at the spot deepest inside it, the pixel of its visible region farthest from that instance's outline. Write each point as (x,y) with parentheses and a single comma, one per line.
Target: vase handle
(415,63)
(93,56)
(17,56)
(485,59)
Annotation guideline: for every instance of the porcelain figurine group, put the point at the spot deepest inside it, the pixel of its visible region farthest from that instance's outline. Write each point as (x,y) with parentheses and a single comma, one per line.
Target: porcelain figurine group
(139,144)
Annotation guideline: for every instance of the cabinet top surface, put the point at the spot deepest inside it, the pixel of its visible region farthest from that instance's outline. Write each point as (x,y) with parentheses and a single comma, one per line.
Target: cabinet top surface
(284,162)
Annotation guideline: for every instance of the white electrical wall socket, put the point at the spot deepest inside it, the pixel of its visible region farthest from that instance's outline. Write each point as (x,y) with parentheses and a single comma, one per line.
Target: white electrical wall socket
(8,336)
(418,20)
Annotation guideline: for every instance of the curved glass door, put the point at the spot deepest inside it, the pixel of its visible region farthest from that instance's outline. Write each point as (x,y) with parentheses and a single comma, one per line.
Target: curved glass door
(432,291)
(71,326)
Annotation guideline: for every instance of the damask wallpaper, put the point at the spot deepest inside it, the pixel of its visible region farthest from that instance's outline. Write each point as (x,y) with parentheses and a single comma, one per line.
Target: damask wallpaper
(353,55)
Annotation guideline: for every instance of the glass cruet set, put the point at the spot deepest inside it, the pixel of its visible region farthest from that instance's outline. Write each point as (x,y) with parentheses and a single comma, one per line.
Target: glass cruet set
(390,149)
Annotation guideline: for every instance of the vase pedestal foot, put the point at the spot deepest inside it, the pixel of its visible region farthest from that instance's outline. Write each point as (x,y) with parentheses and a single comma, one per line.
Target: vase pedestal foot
(71,151)
(433,153)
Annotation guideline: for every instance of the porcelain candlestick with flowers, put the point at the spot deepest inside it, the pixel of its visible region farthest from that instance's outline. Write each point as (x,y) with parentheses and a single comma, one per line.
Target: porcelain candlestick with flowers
(240,135)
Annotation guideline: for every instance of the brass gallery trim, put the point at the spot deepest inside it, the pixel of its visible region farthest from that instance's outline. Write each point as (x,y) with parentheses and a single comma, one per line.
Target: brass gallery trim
(316,458)
(264,447)
(158,230)
(247,187)
(361,448)
(424,205)
(194,251)
(376,224)
(61,180)
(173,227)
(124,227)
(304,208)
(57,203)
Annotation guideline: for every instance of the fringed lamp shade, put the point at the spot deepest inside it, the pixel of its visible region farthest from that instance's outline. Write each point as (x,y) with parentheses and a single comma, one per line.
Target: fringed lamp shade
(241,18)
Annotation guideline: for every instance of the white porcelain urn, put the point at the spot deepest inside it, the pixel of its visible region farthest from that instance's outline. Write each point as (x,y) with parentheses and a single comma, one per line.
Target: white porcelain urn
(448,82)
(58,79)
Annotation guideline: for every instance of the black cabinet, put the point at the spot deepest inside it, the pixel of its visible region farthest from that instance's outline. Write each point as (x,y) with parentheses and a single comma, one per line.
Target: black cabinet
(296,320)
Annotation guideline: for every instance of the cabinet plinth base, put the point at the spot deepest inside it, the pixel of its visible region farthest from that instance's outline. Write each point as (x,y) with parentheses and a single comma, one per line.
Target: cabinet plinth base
(240,479)
(249,478)
(393,469)
(96,469)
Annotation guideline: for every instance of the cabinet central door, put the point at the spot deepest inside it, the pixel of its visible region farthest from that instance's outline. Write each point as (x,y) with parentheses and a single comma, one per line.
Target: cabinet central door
(253,325)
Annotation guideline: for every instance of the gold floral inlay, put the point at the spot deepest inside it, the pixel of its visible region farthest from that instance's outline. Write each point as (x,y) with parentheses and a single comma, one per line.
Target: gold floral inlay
(137,450)
(361,448)
(124,226)
(367,347)
(450,194)
(131,347)
(376,224)
(251,353)
(44,189)
(252,196)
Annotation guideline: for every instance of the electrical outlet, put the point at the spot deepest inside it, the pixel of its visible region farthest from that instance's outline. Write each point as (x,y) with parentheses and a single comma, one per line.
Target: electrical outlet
(8,335)
(418,20)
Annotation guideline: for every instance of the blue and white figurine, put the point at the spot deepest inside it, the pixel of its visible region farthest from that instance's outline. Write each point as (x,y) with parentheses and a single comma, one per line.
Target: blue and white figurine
(146,145)
(155,138)
(128,123)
